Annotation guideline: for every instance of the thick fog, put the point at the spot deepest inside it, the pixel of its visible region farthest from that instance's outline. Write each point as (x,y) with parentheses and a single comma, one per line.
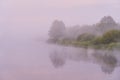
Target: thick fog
(24,27)
(23,18)
(35,17)
(108,61)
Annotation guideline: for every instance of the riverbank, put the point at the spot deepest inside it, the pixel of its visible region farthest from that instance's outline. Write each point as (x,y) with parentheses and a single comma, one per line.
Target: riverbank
(88,44)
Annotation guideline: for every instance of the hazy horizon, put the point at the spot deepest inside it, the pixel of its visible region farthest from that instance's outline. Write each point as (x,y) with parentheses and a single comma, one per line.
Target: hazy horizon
(24,51)
(35,17)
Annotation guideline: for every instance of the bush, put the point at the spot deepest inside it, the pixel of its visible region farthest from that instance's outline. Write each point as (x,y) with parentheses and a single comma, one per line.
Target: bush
(111,36)
(85,37)
(108,37)
(97,41)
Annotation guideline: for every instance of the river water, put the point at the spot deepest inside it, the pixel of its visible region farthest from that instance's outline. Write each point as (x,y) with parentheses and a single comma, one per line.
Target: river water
(30,59)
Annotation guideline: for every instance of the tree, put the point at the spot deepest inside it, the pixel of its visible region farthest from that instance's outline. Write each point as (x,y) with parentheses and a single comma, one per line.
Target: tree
(106,23)
(57,30)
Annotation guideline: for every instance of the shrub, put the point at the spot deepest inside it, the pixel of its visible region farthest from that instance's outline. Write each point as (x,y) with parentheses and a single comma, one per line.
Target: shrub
(85,37)
(108,37)
(111,36)
(97,41)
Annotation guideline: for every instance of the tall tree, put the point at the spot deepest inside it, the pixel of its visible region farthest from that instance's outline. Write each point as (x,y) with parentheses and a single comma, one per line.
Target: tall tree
(57,30)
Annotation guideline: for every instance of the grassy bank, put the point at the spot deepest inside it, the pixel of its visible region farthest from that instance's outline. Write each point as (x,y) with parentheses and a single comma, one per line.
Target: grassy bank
(89,44)
(109,40)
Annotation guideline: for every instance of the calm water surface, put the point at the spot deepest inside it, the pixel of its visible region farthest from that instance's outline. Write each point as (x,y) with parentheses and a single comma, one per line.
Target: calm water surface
(29,59)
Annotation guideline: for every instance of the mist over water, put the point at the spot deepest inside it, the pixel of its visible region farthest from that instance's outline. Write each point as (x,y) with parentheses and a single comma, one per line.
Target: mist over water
(25,54)
(106,61)
(25,58)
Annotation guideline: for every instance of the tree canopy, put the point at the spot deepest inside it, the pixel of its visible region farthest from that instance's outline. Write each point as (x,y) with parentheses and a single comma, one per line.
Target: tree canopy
(57,30)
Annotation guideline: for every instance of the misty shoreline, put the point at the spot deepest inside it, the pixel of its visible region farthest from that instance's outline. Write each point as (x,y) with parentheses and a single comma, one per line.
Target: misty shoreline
(103,35)
(108,60)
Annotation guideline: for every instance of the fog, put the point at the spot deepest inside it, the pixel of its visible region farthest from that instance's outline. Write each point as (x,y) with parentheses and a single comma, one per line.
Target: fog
(24,26)
(33,18)
(107,61)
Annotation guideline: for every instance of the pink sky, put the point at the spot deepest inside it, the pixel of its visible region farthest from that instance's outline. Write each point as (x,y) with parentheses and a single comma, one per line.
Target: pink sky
(39,14)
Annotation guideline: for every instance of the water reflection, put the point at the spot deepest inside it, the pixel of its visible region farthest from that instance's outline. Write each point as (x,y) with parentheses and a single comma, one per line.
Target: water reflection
(104,58)
(29,60)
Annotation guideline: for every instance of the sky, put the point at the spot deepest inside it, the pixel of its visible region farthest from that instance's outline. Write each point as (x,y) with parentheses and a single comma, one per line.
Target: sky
(36,16)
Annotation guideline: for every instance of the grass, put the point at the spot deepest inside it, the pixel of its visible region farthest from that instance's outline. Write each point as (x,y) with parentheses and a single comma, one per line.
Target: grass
(89,44)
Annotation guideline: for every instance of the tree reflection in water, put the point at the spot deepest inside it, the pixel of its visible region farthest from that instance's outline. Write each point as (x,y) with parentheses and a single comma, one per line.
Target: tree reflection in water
(104,58)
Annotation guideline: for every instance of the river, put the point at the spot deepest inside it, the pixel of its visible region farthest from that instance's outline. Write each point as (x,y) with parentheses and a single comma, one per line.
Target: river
(31,59)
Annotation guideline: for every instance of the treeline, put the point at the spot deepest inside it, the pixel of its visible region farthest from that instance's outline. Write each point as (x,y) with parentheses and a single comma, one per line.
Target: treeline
(104,34)
(108,40)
